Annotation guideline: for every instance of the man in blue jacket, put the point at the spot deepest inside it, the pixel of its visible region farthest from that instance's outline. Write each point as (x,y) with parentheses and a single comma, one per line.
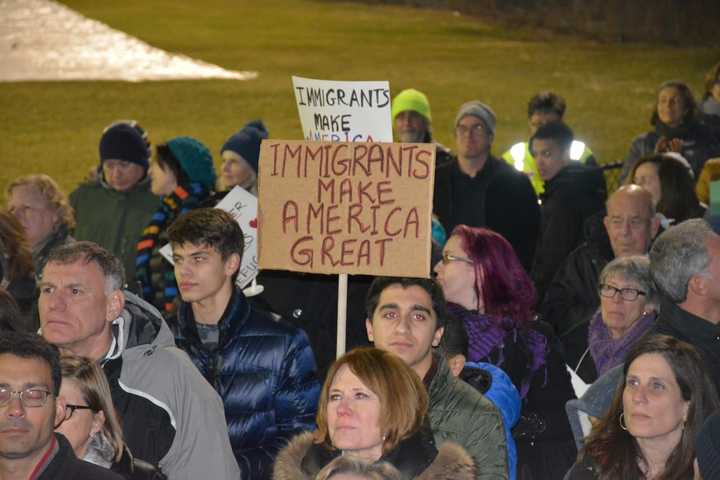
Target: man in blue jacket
(263,369)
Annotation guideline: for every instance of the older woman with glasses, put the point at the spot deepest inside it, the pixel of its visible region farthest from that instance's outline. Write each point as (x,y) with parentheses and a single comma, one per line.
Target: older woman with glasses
(489,291)
(91,424)
(628,308)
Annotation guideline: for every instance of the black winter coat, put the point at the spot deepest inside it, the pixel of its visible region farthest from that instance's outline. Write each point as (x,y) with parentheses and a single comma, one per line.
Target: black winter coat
(265,373)
(700,333)
(572,298)
(570,198)
(66,466)
(505,201)
(132,468)
(544,440)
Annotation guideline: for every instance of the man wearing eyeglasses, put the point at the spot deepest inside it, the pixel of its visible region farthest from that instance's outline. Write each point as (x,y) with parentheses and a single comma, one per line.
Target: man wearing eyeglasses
(479,190)
(628,228)
(29,409)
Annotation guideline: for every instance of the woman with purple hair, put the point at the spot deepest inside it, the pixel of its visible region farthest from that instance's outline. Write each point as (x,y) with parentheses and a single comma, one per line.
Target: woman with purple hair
(486,286)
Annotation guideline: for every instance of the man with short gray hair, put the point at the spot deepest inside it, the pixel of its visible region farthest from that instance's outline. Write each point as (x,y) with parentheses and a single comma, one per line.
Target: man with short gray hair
(170,415)
(685,264)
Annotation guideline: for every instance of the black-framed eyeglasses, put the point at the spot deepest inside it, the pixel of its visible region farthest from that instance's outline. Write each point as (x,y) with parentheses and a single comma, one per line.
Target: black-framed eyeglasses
(629,294)
(30,397)
(447,258)
(71,409)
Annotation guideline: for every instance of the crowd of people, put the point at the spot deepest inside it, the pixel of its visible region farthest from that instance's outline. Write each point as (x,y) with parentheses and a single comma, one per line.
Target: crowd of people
(115,363)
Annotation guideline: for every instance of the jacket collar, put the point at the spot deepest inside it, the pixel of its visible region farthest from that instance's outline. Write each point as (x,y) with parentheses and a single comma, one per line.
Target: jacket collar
(139,324)
(411,456)
(437,380)
(232,321)
(142,185)
(689,325)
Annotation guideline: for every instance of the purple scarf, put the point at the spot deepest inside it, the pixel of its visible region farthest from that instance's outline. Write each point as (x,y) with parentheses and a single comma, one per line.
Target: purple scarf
(608,352)
(487,335)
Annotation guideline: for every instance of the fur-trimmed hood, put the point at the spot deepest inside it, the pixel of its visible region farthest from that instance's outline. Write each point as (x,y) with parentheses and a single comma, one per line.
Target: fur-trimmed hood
(451,462)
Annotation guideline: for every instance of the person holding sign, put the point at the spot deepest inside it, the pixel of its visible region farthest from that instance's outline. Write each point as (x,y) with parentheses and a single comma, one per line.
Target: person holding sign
(262,368)
(407,317)
(479,190)
(412,122)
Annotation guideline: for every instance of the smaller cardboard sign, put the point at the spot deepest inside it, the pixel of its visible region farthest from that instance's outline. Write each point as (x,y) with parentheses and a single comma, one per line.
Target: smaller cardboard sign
(242,205)
(333,111)
(356,208)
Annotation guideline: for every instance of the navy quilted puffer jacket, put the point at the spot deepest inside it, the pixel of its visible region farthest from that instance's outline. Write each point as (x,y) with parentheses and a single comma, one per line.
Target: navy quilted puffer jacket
(265,372)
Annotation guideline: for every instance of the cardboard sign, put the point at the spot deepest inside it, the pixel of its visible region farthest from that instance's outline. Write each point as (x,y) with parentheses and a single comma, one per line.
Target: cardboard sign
(242,205)
(358,208)
(343,111)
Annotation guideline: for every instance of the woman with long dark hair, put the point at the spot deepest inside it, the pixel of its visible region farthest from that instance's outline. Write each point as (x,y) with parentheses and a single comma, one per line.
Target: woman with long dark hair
(488,289)
(669,179)
(649,431)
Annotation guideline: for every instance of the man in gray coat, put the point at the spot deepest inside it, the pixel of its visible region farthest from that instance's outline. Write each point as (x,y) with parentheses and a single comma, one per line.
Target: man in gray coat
(170,415)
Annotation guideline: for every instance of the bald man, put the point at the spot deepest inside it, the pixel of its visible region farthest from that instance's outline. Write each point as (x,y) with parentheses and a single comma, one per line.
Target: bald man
(628,228)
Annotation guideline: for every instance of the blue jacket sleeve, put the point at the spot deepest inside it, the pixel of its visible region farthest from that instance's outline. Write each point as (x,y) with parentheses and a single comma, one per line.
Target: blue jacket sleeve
(295,398)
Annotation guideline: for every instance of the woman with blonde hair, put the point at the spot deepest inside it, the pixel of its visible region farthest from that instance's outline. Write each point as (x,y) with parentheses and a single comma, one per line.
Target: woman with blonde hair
(649,431)
(373,407)
(90,423)
(44,212)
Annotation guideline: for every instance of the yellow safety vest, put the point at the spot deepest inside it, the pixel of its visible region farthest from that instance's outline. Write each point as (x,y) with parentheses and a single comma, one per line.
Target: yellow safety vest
(519,157)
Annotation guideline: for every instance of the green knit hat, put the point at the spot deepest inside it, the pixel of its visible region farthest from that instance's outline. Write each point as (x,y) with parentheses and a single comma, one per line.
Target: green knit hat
(195,160)
(411,99)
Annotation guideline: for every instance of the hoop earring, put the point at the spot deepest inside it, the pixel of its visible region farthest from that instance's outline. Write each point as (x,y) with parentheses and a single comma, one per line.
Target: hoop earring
(622,421)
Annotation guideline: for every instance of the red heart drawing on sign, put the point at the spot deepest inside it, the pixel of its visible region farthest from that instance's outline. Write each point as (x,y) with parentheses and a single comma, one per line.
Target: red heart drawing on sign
(253,223)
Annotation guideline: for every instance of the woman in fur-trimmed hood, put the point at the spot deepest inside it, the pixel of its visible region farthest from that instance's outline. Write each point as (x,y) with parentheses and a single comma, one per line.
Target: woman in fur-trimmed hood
(373,407)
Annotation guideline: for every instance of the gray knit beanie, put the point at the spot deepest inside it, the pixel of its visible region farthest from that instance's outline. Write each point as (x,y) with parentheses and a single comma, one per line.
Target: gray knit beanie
(477,109)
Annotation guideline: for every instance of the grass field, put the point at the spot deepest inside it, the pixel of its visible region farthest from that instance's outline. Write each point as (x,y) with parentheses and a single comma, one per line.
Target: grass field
(54,127)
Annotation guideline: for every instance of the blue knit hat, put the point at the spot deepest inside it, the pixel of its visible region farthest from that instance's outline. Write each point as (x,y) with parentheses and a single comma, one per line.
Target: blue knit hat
(122,141)
(246,142)
(195,160)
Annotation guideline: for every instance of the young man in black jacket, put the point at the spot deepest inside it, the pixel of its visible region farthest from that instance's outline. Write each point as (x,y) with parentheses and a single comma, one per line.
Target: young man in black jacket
(573,192)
